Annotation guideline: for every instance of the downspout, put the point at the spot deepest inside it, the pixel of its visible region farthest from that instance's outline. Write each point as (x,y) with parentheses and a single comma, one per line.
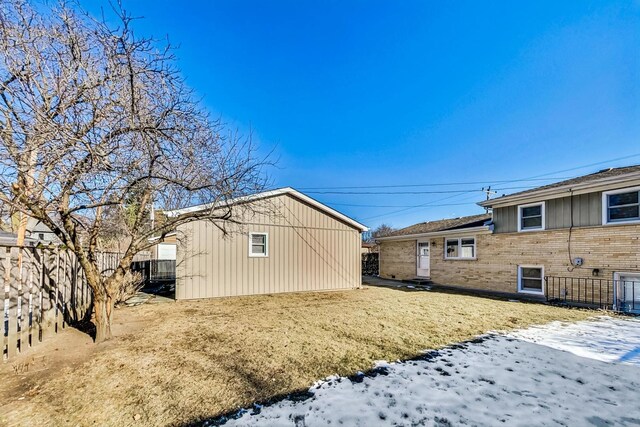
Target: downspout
(572,267)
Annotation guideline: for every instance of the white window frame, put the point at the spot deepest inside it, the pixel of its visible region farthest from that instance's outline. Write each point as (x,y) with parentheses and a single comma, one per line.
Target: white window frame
(542,213)
(616,281)
(459,239)
(605,206)
(266,245)
(526,291)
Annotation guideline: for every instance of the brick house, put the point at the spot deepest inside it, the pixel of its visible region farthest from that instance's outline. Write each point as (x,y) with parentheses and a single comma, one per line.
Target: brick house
(562,240)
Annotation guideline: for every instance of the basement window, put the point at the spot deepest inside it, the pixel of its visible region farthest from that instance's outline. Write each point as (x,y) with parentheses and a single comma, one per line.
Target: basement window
(531,217)
(460,248)
(258,244)
(530,279)
(621,206)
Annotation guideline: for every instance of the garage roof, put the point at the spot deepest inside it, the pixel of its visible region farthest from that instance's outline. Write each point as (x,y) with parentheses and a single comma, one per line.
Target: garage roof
(272,193)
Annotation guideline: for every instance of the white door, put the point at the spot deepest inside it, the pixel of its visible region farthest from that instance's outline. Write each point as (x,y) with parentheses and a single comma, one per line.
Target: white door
(423,261)
(627,292)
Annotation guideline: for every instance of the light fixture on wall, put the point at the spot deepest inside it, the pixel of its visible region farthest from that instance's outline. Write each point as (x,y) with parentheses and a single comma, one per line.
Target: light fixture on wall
(595,272)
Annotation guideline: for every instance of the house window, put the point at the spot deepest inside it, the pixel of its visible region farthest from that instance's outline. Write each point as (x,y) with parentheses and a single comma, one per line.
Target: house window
(258,244)
(460,248)
(530,279)
(531,217)
(621,206)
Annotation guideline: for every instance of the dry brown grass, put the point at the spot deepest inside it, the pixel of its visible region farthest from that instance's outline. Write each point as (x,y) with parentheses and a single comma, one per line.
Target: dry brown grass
(198,359)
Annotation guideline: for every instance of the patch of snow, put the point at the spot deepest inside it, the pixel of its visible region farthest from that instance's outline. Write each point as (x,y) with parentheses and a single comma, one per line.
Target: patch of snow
(605,338)
(494,380)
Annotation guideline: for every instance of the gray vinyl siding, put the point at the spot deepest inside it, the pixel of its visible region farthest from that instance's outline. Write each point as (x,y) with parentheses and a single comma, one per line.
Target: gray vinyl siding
(308,250)
(587,211)
(505,219)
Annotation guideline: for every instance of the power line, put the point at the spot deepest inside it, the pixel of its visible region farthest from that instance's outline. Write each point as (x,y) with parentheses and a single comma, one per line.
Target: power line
(461,191)
(434,202)
(589,165)
(485,182)
(355,187)
(394,206)
(428,204)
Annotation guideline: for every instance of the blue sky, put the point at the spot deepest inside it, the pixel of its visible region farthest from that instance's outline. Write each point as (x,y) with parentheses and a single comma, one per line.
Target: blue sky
(368,93)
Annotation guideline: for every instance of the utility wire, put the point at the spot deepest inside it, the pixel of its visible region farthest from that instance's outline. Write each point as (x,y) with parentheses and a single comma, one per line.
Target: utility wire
(415,192)
(589,165)
(540,177)
(393,206)
(435,203)
(434,184)
(428,204)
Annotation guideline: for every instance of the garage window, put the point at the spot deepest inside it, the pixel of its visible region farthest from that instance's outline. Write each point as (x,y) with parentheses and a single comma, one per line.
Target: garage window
(258,244)
(531,279)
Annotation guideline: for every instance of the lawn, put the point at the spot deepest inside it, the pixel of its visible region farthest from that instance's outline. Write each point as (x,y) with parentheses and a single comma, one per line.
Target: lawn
(186,361)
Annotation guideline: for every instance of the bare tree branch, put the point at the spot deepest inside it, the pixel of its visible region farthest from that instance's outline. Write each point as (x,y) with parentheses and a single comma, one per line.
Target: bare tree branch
(96,127)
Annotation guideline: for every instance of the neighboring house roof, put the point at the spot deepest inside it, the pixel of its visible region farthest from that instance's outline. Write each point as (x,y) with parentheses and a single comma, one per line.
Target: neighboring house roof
(267,194)
(602,180)
(441,227)
(10,239)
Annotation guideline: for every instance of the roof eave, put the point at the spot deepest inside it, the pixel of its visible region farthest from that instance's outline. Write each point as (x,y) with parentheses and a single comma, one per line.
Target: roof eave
(272,193)
(481,228)
(604,184)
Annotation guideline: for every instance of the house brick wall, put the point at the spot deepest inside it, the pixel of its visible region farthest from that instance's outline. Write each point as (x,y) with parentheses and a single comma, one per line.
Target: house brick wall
(398,259)
(607,248)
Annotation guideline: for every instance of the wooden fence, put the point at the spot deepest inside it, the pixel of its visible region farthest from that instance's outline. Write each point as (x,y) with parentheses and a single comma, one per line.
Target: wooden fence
(45,290)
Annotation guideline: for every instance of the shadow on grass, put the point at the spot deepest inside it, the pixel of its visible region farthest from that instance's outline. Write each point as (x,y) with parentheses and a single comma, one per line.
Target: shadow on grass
(302,395)
(451,290)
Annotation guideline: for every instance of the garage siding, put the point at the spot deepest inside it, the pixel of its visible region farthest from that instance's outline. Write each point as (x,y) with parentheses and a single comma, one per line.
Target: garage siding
(308,250)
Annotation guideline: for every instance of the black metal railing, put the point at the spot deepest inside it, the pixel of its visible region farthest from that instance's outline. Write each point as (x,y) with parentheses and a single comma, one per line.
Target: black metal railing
(618,294)
(158,276)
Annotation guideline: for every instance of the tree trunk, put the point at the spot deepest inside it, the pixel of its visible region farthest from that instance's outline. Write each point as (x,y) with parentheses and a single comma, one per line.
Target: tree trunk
(102,307)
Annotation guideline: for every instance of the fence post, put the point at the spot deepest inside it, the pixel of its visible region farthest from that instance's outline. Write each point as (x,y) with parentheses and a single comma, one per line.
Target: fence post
(13,322)
(6,344)
(63,283)
(31,304)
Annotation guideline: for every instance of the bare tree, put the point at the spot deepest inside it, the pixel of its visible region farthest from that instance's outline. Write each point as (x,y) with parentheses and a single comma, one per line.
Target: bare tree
(96,126)
(382,230)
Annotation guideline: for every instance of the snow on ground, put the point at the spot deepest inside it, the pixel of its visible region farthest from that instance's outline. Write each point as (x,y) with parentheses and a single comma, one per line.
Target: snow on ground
(495,380)
(607,339)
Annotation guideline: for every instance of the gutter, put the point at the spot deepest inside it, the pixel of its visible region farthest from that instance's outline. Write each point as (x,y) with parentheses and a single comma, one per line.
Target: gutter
(457,231)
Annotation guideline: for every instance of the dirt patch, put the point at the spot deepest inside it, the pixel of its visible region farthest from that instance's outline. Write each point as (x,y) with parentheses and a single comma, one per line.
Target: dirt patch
(24,375)
(181,362)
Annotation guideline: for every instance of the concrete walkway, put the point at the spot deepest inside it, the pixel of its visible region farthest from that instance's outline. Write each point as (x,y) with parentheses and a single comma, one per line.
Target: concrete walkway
(145,298)
(396,284)
(409,286)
